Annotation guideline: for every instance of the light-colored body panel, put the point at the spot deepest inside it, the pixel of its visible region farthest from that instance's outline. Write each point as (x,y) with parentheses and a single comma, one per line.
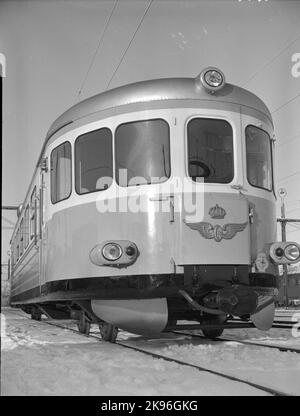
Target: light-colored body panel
(72,227)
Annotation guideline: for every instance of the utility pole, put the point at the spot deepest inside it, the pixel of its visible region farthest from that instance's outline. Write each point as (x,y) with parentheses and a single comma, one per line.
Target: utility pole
(282,194)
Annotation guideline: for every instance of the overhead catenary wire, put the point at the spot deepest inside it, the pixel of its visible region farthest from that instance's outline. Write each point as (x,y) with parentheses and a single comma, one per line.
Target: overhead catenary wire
(100,43)
(289,176)
(271,60)
(131,40)
(286,103)
(291,139)
(294,230)
(294,225)
(293,210)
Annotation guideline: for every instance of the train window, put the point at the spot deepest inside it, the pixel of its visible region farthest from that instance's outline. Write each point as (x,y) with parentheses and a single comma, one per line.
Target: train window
(61,172)
(259,158)
(143,152)
(26,226)
(13,252)
(210,150)
(33,214)
(21,237)
(17,243)
(93,161)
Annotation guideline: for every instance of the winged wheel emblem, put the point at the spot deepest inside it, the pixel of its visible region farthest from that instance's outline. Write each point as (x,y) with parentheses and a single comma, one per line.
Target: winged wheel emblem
(217,232)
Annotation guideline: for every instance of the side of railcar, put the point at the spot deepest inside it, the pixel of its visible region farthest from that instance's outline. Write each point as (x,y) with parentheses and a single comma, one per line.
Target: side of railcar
(26,244)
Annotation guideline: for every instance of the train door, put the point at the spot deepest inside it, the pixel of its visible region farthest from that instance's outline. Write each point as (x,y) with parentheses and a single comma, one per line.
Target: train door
(214,215)
(258,146)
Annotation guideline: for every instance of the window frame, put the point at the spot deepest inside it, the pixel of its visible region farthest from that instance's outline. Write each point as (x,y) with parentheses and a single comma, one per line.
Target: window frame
(12,247)
(32,214)
(112,160)
(22,237)
(17,241)
(234,150)
(26,227)
(169,143)
(71,172)
(271,157)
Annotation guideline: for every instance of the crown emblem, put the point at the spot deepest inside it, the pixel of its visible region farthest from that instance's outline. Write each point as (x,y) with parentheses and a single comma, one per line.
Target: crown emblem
(217,212)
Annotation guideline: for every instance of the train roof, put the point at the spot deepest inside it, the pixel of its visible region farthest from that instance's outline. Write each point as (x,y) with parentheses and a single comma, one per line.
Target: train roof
(157,90)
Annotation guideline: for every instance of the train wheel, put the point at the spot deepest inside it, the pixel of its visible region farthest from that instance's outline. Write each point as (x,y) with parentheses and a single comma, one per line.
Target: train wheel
(214,320)
(212,333)
(36,314)
(83,325)
(108,332)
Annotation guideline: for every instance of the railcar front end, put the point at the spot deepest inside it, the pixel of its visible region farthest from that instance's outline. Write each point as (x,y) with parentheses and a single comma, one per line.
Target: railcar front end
(157,205)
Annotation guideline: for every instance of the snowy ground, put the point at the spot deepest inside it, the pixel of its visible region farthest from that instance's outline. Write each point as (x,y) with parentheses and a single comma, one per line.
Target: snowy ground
(39,359)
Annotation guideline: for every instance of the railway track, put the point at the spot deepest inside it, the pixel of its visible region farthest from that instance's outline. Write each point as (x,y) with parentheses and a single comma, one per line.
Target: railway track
(245,342)
(284,324)
(271,391)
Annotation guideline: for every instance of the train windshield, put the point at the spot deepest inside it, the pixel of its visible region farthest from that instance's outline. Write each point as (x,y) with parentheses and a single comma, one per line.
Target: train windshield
(93,161)
(259,158)
(142,152)
(210,150)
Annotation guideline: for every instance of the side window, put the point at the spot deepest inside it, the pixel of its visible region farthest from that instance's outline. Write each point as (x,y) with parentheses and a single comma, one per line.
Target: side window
(26,226)
(17,242)
(33,214)
(21,237)
(13,252)
(93,161)
(61,172)
(259,159)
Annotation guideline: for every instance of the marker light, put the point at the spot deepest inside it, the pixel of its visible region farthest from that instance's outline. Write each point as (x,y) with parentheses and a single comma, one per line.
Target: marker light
(112,251)
(212,79)
(292,252)
(130,251)
(279,252)
(285,252)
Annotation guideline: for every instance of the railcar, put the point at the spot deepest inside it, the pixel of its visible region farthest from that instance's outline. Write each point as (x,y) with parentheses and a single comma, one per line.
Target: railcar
(151,204)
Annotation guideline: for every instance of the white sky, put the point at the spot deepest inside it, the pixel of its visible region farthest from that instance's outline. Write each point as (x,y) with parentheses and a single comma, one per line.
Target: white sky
(49,45)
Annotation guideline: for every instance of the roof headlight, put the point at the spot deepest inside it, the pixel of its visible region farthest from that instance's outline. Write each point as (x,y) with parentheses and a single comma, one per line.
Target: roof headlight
(292,252)
(212,79)
(112,251)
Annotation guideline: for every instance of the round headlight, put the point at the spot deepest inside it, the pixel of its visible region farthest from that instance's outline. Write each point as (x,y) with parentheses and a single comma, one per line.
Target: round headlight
(112,251)
(212,79)
(292,252)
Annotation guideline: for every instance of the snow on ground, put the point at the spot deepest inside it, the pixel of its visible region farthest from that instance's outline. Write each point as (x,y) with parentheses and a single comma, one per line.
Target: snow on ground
(39,359)
(269,367)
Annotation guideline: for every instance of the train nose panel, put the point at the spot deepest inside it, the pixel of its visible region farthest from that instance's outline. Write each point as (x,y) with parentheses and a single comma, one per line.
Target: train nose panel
(140,316)
(219,234)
